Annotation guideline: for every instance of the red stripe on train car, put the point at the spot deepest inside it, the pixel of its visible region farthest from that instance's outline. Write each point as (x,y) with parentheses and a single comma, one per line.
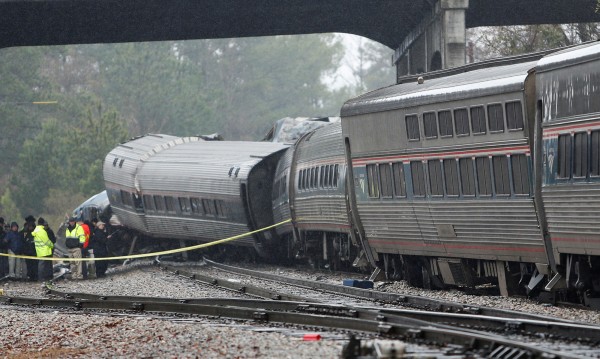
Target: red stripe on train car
(555,131)
(539,249)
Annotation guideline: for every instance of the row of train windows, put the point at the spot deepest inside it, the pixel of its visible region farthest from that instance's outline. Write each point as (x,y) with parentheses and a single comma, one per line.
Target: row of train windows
(481,176)
(318,177)
(579,155)
(441,123)
(185,205)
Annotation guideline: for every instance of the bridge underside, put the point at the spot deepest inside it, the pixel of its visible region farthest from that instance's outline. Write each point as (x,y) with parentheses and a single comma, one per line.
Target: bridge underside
(53,22)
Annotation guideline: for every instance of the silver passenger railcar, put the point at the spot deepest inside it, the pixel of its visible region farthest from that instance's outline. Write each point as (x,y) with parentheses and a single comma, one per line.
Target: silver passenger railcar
(310,188)
(568,104)
(443,172)
(189,189)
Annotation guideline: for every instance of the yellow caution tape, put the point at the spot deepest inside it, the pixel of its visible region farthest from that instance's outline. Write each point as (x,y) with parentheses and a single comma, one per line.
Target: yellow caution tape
(154,254)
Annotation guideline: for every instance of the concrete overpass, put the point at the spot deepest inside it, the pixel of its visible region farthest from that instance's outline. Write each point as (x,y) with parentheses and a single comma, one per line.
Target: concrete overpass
(419,30)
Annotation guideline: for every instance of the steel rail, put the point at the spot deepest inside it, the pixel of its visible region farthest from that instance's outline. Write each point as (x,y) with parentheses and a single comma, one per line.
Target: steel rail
(409,329)
(392,298)
(581,332)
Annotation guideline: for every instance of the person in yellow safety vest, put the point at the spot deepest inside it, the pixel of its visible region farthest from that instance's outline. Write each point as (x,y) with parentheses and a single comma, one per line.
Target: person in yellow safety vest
(75,238)
(43,248)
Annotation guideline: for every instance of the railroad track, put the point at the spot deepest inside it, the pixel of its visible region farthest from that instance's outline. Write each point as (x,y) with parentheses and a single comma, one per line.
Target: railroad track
(466,333)
(462,342)
(402,300)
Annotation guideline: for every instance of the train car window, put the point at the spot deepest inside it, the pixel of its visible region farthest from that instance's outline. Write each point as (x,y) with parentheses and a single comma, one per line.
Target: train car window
(501,175)
(595,154)
(115,161)
(221,209)
(435,177)
(484,176)
(385,173)
(170,204)
(322,182)
(430,125)
(305,179)
(326,179)
(126,198)
(467,176)
(336,175)
(148,202)
(300,179)
(184,205)
(159,203)
(284,185)
(399,180)
(196,205)
(514,115)
(580,155)
(314,177)
(496,118)
(418,178)
(121,163)
(520,171)
(412,128)
(461,122)
(373,181)
(209,207)
(564,156)
(451,176)
(445,122)
(478,120)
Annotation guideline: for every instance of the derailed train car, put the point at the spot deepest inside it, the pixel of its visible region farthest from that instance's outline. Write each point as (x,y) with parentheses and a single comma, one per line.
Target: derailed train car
(568,120)
(484,175)
(189,189)
(310,189)
(443,176)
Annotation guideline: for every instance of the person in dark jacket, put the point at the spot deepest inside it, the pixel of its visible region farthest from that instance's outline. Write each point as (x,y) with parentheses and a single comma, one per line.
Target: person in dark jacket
(29,247)
(98,245)
(15,247)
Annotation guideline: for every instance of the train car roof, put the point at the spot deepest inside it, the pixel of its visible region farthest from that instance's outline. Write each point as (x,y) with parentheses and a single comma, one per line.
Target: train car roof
(476,83)
(569,56)
(204,165)
(323,143)
(99,200)
(148,145)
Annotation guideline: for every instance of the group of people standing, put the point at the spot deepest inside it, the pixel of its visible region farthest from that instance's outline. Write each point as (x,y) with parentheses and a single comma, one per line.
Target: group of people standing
(87,240)
(37,239)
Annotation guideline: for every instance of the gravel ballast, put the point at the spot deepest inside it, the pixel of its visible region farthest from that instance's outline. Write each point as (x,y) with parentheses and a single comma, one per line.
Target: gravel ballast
(51,333)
